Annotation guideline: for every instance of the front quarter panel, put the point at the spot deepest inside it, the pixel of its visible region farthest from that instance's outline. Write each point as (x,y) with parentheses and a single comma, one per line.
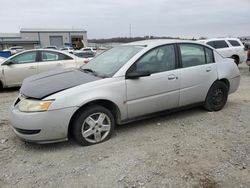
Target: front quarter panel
(112,89)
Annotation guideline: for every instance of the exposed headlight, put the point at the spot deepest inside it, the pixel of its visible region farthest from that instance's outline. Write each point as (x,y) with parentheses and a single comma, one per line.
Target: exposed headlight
(29,105)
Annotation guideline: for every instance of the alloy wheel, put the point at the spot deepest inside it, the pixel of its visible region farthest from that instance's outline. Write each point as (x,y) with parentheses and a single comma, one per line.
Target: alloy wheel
(96,127)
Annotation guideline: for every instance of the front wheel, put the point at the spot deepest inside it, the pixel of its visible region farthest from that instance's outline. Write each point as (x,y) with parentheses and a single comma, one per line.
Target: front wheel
(216,96)
(93,125)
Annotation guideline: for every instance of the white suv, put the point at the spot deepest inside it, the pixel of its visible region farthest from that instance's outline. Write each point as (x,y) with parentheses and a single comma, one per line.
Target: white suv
(228,47)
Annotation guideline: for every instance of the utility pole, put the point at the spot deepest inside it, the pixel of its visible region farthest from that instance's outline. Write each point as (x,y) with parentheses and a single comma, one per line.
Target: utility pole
(129,30)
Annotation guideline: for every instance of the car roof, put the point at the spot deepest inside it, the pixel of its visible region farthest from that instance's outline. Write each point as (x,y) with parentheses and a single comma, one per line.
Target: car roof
(50,50)
(216,39)
(157,42)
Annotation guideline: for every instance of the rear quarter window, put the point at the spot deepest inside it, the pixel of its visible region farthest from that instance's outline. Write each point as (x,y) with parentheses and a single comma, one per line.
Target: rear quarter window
(234,42)
(209,55)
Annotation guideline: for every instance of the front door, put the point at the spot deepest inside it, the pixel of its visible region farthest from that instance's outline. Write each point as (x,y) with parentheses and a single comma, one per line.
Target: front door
(156,92)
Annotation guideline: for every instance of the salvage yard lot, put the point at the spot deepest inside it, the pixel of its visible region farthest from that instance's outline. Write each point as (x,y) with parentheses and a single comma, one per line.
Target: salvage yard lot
(191,148)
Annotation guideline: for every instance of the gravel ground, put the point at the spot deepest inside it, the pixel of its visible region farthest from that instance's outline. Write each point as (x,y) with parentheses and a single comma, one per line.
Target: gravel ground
(192,148)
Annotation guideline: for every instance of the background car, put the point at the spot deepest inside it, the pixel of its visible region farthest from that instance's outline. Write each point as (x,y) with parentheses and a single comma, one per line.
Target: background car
(68,49)
(247,46)
(51,47)
(89,49)
(15,49)
(228,47)
(85,54)
(248,59)
(123,84)
(15,69)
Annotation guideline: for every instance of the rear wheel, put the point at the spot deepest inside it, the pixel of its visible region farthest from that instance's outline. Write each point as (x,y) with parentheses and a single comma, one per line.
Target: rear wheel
(93,125)
(216,96)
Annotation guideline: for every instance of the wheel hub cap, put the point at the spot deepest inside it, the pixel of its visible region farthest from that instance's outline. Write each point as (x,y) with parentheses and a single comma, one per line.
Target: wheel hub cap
(96,127)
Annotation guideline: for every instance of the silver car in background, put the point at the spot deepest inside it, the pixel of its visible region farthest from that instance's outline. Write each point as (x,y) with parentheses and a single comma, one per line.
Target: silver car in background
(123,84)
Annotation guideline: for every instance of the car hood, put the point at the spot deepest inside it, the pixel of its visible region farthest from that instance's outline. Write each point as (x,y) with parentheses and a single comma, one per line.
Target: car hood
(45,84)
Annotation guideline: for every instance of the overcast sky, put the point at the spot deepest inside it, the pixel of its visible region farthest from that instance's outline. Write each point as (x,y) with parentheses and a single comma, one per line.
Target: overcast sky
(111,18)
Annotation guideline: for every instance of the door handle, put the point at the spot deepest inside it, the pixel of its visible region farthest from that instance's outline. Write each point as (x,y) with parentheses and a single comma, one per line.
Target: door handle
(172,77)
(32,67)
(208,69)
(59,64)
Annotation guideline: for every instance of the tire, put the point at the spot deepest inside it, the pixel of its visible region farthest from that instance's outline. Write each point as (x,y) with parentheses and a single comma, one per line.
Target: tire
(93,125)
(216,96)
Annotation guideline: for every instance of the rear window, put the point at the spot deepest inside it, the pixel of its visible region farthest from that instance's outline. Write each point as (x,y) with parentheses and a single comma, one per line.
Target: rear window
(234,42)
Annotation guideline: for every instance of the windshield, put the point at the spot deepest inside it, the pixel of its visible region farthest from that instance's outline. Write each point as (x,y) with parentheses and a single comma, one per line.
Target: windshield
(109,62)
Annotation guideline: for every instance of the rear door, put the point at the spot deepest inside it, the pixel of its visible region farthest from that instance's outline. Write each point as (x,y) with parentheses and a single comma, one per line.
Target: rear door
(198,72)
(50,60)
(156,92)
(23,66)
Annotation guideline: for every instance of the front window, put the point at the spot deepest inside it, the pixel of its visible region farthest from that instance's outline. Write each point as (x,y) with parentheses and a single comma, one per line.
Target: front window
(109,62)
(28,57)
(159,59)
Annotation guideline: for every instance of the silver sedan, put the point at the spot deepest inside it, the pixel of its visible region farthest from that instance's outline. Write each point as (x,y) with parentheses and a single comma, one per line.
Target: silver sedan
(123,84)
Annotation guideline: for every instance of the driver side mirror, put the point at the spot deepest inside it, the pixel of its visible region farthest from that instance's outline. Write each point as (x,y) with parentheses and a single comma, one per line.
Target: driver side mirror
(137,74)
(9,62)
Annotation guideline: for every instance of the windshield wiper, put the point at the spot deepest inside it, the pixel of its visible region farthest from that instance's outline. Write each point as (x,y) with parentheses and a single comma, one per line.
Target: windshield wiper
(91,71)
(94,73)
(88,70)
